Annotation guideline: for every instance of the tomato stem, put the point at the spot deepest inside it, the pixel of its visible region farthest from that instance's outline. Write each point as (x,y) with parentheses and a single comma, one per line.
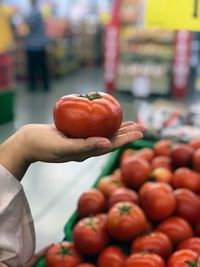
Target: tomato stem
(193,264)
(92,96)
(124,209)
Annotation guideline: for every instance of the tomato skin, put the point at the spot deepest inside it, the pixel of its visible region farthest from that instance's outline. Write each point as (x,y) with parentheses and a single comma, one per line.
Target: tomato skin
(86,265)
(181,257)
(90,203)
(125,221)
(186,178)
(108,184)
(195,143)
(146,153)
(154,242)
(161,175)
(196,160)
(135,171)
(90,235)
(181,155)
(187,205)
(158,202)
(123,194)
(85,116)
(145,260)
(111,256)
(70,256)
(176,228)
(192,243)
(163,147)
(161,161)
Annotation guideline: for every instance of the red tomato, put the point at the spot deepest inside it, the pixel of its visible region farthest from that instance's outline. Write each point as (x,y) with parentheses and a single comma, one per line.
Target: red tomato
(146,153)
(154,242)
(161,175)
(90,235)
(197,229)
(111,256)
(92,114)
(184,258)
(123,194)
(158,202)
(125,221)
(161,161)
(135,171)
(187,205)
(86,265)
(91,202)
(63,254)
(186,178)
(126,153)
(192,243)
(108,184)
(163,147)
(176,228)
(145,260)
(181,155)
(196,160)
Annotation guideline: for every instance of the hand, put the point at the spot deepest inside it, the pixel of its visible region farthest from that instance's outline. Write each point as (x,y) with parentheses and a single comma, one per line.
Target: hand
(40,142)
(36,257)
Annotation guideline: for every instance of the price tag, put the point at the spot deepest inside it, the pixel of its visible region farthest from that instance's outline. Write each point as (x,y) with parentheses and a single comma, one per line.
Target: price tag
(173,14)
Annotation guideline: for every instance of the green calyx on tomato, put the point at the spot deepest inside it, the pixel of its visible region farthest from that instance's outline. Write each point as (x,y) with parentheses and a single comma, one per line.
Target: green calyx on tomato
(124,209)
(193,264)
(92,96)
(65,251)
(91,223)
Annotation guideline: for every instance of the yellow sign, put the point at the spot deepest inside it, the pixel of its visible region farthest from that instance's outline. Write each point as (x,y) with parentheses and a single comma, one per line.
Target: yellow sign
(173,14)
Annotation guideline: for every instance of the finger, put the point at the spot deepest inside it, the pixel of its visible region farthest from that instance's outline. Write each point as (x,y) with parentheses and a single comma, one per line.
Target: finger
(127,123)
(129,128)
(126,138)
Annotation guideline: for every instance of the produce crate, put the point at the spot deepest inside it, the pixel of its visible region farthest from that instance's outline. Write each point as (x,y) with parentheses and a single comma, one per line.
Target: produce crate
(110,166)
(6,106)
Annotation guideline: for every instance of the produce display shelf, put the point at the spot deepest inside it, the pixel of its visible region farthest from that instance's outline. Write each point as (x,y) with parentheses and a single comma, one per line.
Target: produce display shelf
(109,167)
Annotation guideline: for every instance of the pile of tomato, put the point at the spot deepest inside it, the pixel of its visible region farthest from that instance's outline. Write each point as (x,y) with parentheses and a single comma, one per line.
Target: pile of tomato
(146,213)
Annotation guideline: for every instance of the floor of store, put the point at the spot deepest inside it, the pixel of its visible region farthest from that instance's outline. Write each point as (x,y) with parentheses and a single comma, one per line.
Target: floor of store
(53,189)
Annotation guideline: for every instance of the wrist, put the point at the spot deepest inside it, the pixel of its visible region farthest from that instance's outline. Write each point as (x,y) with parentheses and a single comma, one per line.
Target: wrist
(13,155)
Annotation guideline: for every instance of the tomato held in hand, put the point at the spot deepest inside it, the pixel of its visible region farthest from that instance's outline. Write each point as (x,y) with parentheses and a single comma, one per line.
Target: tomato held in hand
(144,260)
(83,116)
(63,254)
(111,256)
(184,258)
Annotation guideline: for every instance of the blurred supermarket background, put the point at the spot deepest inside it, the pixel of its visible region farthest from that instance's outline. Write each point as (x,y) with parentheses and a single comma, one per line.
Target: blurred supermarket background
(94,45)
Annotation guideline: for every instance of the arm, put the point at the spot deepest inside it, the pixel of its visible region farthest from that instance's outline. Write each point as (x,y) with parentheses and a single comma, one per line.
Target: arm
(37,142)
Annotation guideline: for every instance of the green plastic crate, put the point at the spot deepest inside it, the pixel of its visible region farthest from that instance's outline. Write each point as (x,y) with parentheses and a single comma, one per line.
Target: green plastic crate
(109,167)
(6,106)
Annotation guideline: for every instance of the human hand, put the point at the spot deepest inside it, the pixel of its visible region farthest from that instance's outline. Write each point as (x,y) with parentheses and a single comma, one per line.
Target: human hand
(41,142)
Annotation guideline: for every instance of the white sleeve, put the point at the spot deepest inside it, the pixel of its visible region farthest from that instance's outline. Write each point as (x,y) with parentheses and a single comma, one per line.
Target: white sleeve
(17,235)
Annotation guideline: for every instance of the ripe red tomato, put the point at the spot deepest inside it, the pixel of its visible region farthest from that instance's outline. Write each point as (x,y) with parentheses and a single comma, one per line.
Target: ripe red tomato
(86,265)
(196,160)
(111,256)
(146,153)
(186,178)
(91,202)
(181,155)
(108,184)
(126,153)
(90,235)
(161,175)
(145,260)
(163,147)
(154,242)
(187,205)
(92,114)
(184,258)
(63,254)
(158,202)
(135,171)
(195,143)
(192,243)
(161,161)
(123,194)
(125,221)
(176,228)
